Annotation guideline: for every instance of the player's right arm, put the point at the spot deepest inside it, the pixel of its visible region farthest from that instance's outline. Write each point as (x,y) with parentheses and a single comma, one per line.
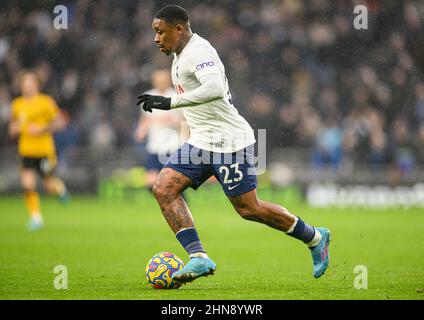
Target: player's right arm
(204,66)
(14,125)
(14,129)
(211,88)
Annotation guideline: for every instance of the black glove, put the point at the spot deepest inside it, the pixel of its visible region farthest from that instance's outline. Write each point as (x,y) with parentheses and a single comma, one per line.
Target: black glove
(153,102)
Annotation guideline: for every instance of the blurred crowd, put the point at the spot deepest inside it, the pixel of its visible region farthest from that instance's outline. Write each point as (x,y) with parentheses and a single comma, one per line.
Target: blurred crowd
(296,68)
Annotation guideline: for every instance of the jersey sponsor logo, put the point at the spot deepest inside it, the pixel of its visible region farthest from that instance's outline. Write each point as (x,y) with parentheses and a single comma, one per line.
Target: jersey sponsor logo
(205,64)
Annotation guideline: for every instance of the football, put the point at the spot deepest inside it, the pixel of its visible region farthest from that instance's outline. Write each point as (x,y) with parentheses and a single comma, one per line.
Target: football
(160,268)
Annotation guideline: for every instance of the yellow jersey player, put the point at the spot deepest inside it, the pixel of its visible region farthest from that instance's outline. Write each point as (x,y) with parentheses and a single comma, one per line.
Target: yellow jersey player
(34,118)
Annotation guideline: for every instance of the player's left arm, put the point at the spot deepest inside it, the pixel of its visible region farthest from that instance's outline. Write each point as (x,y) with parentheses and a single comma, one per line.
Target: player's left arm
(56,120)
(57,124)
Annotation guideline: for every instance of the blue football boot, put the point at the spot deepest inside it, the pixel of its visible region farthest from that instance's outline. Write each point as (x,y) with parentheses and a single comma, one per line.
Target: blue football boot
(320,254)
(195,268)
(64,198)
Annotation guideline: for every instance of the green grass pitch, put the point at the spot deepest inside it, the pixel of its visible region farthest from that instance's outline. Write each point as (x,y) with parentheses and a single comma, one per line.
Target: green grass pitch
(106,245)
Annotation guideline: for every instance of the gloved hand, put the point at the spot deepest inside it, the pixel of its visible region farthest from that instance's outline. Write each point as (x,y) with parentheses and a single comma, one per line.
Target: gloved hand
(150,102)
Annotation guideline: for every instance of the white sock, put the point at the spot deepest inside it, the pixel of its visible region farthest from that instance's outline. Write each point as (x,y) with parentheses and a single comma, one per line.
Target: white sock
(315,240)
(198,255)
(37,218)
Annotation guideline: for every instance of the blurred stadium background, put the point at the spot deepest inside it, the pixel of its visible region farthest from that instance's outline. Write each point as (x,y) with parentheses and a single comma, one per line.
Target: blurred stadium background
(343,108)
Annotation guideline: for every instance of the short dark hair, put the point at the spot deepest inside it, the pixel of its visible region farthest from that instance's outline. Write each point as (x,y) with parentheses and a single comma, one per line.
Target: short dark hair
(173,14)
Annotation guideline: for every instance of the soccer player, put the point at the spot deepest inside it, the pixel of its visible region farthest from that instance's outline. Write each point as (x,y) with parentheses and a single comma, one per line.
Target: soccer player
(222,139)
(35,116)
(161,129)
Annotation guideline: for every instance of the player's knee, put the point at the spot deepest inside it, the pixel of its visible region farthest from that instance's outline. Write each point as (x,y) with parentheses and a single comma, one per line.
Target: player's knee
(247,212)
(163,195)
(48,186)
(244,213)
(246,207)
(28,186)
(157,190)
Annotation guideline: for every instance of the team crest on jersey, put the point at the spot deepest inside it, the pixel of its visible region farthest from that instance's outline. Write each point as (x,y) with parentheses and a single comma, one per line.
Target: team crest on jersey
(205,64)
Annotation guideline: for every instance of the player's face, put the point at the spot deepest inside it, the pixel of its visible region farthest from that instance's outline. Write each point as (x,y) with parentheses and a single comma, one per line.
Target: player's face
(168,36)
(29,85)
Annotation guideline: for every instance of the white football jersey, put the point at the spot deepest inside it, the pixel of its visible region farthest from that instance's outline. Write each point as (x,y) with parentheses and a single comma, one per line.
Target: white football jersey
(214,122)
(164,134)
